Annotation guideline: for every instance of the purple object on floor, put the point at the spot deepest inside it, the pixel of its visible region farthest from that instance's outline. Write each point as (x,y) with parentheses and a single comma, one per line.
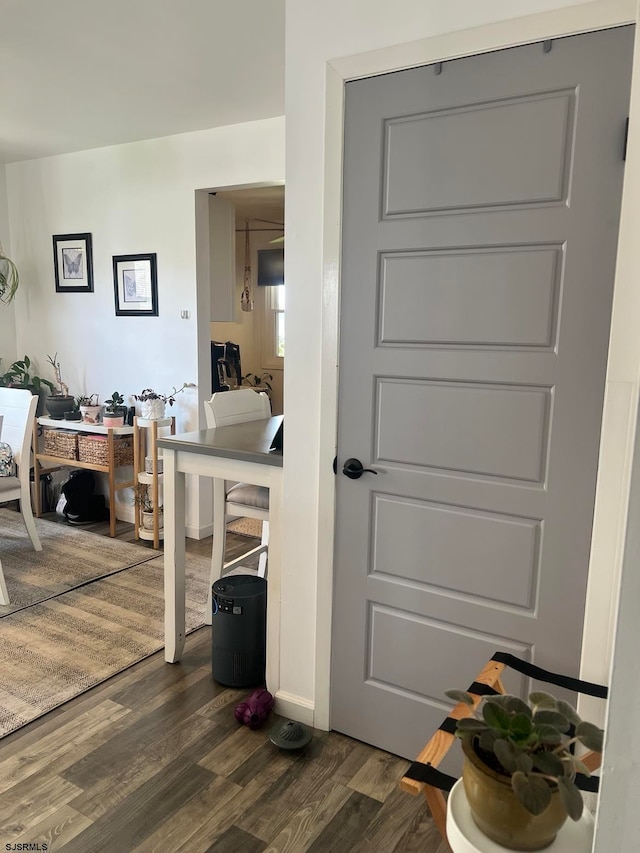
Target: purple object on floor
(255,711)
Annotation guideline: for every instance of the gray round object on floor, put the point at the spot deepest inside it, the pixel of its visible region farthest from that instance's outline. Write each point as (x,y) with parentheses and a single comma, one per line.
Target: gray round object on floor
(291,735)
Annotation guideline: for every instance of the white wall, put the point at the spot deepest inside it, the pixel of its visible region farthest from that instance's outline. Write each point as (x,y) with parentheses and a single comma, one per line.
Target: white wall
(327,44)
(132,198)
(7,317)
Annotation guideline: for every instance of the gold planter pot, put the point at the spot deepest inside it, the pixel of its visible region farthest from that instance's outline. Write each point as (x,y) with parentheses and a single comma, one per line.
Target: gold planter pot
(499,814)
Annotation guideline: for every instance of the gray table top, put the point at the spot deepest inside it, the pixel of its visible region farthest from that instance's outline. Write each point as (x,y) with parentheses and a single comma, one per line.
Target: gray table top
(249,442)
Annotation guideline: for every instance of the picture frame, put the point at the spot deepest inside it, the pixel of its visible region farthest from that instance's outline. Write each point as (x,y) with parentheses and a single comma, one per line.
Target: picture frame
(73,263)
(135,281)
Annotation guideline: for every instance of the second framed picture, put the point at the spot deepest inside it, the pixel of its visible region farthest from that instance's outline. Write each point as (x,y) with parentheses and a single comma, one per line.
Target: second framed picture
(136,285)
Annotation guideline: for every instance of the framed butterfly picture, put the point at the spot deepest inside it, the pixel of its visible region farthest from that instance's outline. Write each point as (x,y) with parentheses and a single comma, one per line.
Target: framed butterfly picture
(73,263)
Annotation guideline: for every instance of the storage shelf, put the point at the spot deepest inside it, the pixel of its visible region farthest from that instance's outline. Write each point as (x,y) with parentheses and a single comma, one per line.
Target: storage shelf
(78,426)
(145,447)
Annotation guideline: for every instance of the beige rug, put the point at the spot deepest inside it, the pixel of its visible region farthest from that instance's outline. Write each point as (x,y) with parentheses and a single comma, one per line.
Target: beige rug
(246,527)
(55,650)
(69,558)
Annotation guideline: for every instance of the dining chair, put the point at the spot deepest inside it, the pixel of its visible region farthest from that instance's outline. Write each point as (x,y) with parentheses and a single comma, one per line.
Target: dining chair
(18,410)
(242,500)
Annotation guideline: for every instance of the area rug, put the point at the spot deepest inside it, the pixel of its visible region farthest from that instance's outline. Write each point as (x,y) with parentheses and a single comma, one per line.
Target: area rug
(69,558)
(57,649)
(246,527)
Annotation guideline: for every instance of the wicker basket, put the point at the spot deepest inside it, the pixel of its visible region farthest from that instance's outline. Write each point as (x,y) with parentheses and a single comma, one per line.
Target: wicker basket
(95,449)
(61,443)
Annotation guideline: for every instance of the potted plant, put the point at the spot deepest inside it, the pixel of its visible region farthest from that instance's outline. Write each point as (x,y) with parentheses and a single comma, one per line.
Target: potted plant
(115,411)
(9,278)
(19,376)
(75,414)
(90,408)
(60,401)
(519,768)
(142,499)
(152,404)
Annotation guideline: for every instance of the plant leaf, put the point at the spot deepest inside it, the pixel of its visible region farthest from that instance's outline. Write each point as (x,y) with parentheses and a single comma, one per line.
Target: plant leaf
(548,763)
(521,726)
(505,754)
(552,718)
(496,716)
(542,700)
(591,736)
(471,725)
(571,797)
(515,705)
(569,712)
(487,739)
(547,734)
(458,695)
(532,791)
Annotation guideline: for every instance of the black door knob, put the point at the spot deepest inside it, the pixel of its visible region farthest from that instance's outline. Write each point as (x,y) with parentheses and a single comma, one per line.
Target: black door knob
(353,469)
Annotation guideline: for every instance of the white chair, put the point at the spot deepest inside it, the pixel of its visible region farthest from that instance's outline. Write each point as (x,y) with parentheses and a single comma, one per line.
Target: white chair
(18,409)
(242,500)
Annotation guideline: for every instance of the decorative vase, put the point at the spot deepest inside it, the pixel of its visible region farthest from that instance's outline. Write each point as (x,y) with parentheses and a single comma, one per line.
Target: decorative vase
(58,404)
(147,519)
(499,814)
(90,414)
(152,410)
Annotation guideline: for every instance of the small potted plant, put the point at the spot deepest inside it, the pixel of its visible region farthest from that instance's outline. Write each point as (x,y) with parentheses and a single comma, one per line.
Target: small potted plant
(152,404)
(90,408)
(115,410)
(75,414)
(142,499)
(519,767)
(60,401)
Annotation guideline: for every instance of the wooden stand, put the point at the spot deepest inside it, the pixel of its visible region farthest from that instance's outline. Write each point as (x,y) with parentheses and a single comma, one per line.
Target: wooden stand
(145,444)
(58,462)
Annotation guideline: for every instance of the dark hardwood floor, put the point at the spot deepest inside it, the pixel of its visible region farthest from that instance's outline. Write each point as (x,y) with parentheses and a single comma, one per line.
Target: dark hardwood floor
(154,760)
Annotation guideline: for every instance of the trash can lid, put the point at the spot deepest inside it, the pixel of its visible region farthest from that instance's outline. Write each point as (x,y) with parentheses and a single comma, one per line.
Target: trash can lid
(291,735)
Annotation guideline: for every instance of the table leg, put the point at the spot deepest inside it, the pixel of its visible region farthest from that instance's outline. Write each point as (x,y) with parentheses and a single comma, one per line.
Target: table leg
(174,558)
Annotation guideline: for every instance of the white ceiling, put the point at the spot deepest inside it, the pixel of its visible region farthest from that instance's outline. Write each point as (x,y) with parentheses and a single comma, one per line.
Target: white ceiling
(77,74)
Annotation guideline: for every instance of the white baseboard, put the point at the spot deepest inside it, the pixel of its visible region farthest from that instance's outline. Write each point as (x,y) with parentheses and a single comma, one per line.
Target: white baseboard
(294,707)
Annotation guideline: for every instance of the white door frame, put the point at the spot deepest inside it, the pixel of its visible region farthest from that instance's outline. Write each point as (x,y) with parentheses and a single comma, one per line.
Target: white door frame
(620,406)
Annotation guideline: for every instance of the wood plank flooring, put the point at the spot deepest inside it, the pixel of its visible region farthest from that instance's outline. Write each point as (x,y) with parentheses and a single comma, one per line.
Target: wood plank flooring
(153,760)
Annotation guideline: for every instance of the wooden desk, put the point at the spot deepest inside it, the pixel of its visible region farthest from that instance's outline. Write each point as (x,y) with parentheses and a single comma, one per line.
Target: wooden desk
(239,452)
(63,462)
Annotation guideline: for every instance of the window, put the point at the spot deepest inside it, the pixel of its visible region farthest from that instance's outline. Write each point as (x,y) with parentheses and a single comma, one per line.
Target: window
(273,332)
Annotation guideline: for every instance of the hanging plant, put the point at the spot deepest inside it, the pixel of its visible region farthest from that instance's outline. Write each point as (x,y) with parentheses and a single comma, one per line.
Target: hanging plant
(9,278)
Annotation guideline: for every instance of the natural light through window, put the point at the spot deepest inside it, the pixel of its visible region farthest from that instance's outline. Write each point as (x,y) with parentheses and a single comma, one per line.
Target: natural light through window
(273,328)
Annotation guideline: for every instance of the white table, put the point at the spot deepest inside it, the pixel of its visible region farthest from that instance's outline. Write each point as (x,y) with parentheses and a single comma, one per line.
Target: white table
(239,452)
(465,837)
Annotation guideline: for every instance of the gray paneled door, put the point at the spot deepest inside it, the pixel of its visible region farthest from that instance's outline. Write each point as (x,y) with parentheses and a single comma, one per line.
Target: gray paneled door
(481,209)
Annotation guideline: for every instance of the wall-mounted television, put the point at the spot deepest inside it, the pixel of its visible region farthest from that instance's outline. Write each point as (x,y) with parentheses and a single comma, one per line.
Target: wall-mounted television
(270,267)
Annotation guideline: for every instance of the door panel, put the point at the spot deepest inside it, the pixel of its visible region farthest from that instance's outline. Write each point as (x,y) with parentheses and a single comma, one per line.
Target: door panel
(480,226)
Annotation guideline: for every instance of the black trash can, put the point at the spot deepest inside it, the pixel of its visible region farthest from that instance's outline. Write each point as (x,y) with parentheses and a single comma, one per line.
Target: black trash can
(239,631)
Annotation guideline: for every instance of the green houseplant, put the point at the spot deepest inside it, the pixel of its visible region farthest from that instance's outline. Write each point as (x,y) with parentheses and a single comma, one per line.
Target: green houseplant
(153,404)
(19,375)
(519,771)
(115,410)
